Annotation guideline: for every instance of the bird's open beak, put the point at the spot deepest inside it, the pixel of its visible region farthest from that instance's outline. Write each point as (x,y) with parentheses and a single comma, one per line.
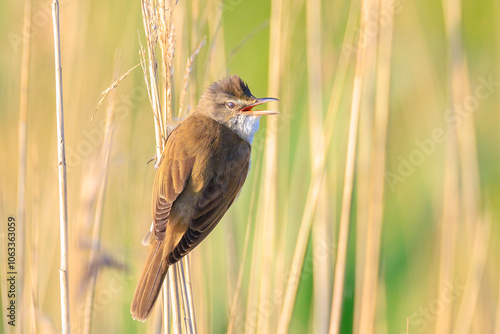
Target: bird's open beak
(248,109)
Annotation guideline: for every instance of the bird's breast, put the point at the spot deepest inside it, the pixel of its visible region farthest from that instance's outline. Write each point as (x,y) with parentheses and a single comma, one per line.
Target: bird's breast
(245,126)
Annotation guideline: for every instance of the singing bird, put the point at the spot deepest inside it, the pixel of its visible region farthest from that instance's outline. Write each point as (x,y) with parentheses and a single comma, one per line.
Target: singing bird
(203,167)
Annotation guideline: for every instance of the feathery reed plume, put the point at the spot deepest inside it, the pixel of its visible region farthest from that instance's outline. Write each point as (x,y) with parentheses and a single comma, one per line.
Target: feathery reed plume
(21,177)
(166,41)
(63,197)
(151,71)
(111,88)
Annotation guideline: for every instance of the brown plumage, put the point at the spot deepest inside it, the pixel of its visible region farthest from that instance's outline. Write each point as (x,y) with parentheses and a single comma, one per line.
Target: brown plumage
(203,167)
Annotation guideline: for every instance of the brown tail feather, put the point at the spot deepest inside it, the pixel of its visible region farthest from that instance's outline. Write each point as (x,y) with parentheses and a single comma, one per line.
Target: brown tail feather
(150,283)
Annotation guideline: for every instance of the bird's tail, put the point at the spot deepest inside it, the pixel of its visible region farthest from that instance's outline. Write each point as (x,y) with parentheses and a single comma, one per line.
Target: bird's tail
(149,286)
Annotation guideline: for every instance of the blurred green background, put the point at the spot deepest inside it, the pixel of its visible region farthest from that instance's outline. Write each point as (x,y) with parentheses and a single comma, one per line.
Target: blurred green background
(418,237)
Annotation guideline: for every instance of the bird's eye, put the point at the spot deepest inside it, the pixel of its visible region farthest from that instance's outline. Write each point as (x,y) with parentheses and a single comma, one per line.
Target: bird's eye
(230,104)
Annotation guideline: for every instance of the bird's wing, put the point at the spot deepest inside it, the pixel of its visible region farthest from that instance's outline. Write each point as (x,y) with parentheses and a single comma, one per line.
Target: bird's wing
(216,198)
(170,180)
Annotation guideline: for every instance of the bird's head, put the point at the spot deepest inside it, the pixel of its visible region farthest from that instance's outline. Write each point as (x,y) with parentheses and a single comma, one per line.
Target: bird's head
(229,99)
(230,102)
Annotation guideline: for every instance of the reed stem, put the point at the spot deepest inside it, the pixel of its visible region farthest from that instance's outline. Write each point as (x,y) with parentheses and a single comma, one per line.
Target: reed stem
(23,146)
(63,195)
(340,264)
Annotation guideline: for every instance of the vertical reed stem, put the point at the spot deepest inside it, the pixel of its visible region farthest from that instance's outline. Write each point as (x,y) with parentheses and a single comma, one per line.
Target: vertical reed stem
(175,306)
(338,282)
(23,138)
(376,183)
(185,278)
(63,200)
(270,177)
(321,263)
(165,295)
(451,210)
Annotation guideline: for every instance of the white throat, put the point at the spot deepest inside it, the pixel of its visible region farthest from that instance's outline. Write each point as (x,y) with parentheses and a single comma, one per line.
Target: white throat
(245,126)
